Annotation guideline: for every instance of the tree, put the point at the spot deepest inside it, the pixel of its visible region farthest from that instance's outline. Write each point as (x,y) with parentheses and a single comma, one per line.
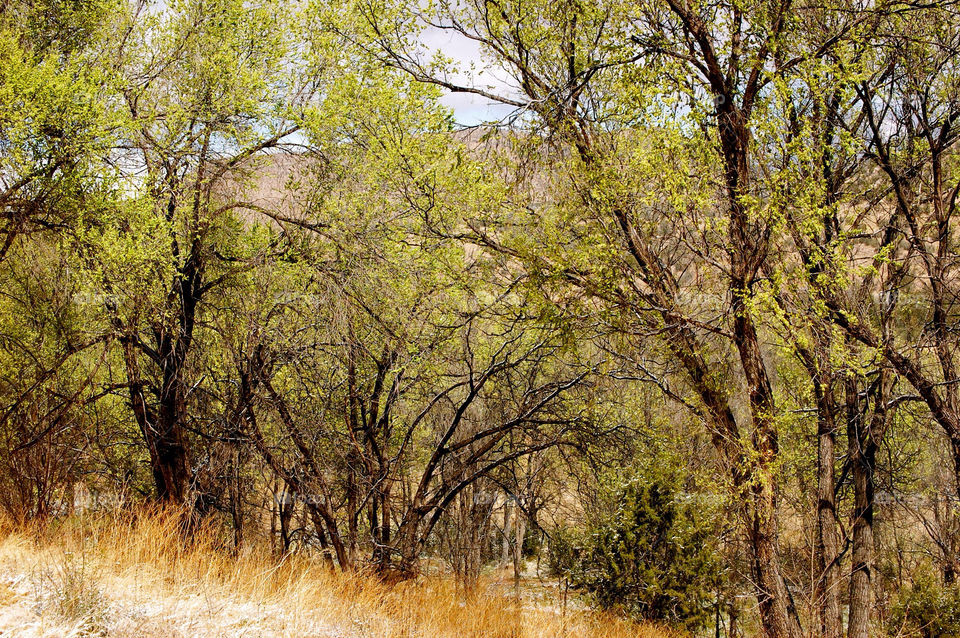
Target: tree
(425,392)
(201,84)
(606,84)
(650,556)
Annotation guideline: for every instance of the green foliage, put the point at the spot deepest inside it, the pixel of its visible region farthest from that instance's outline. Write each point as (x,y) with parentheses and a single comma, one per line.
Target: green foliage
(62,27)
(253,224)
(53,128)
(650,556)
(926,609)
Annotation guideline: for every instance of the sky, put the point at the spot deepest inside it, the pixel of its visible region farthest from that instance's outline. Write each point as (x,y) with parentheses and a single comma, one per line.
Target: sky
(469,109)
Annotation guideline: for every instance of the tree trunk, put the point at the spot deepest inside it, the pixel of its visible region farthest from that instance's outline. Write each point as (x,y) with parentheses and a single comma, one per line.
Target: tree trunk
(172,469)
(285,507)
(746,249)
(777,613)
(862,455)
(326,529)
(521,530)
(828,584)
(405,549)
(352,509)
(507,532)
(236,494)
(951,559)
(161,430)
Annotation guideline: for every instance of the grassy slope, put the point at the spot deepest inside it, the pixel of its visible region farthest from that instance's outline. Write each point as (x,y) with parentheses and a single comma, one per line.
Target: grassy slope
(131,576)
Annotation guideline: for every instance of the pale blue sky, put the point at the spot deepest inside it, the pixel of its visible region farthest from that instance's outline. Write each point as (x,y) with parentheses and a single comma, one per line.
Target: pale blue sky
(470,109)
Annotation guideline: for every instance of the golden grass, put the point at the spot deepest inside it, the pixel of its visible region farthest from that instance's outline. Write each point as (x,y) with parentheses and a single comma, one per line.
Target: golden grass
(131,575)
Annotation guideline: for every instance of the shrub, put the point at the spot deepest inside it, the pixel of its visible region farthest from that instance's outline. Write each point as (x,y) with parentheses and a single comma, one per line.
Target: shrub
(74,595)
(926,609)
(650,557)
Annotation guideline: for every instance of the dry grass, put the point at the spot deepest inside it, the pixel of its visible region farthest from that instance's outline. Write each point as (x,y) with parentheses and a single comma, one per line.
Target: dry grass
(126,575)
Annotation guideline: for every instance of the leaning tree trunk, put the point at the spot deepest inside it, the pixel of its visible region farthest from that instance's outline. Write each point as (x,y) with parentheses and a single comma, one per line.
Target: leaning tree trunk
(747,254)
(777,612)
(405,563)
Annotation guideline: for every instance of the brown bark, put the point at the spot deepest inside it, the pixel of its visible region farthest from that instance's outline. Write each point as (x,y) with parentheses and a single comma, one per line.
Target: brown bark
(951,558)
(776,605)
(505,555)
(828,585)
(171,469)
(747,252)
(236,494)
(520,532)
(318,507)
(285,513)
(162,433)
(862,450)
(828,548)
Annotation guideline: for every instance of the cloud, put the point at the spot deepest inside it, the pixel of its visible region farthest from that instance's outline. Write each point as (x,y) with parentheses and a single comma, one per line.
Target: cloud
(473,70)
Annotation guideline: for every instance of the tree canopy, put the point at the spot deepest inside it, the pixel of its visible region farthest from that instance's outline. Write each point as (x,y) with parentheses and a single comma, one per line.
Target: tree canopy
(252,267)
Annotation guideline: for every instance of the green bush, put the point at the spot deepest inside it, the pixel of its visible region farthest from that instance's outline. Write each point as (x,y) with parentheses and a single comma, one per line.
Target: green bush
(650,558)
(926,609)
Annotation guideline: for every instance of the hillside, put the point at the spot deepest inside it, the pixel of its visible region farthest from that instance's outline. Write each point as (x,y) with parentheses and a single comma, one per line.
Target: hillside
(129,576)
